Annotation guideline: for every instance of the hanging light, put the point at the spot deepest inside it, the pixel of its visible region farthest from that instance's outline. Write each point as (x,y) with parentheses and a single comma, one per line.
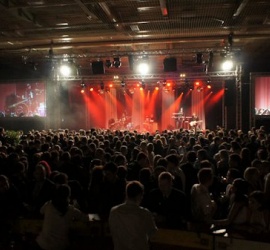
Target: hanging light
(123,84)
(116,62)
(227,65)
(108,63)
(102,85)
(143,84)
(199,58)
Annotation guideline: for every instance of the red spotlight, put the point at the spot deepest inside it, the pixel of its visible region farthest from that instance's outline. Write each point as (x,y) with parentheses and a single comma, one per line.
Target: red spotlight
(91,89)
(197,83)
(111,85)
(82,91)
(156,88)
(168,84)
(209,86)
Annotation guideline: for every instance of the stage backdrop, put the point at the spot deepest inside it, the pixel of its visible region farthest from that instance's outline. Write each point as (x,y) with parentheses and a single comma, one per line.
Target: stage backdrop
(140,109)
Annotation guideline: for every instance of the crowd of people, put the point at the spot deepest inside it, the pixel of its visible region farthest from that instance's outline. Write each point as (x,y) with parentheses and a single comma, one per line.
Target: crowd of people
(185,180)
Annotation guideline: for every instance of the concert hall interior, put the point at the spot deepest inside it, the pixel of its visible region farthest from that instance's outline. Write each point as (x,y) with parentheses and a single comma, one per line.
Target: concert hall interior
(103,44)
(135,116)
(181,46)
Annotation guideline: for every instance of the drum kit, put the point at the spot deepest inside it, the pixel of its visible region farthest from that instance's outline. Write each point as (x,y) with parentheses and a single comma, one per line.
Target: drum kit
(123,123)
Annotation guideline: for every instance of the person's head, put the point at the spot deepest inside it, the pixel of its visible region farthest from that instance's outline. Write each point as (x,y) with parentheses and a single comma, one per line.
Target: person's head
(234,160)
(120,160)
(47,167)
(173,160)
(165,182)
(224,154)
(202,154)
(191,156)
(145,175)
(205,176)
(134,191)
(110,171)
(232,174)
(252,175)
(142,159)
(60,178)
(61,198)
(39,173)
(240,187)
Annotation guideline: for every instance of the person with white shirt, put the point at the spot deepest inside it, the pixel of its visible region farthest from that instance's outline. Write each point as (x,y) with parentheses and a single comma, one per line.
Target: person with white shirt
(131,226)
(202,205)
(58,218)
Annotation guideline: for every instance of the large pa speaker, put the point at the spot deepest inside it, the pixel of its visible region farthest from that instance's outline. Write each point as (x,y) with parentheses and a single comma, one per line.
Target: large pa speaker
(170,64)
(98,68)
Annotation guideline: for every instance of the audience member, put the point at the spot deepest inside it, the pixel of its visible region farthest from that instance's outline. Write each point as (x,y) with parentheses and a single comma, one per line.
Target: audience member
(168,204)
(131,226)
(58,218)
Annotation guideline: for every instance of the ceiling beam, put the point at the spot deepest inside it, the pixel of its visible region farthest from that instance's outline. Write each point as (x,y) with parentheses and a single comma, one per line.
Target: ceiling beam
(20,13)
(84,8)
(240,8)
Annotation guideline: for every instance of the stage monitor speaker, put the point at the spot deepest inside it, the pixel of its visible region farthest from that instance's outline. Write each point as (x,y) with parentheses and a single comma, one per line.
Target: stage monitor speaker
(98,68)
(170,64)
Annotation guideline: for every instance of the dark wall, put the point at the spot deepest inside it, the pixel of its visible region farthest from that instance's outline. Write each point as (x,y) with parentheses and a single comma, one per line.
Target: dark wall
(23,123)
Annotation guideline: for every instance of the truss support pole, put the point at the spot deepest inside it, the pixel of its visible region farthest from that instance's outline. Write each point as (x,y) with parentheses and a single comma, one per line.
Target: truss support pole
(238,83)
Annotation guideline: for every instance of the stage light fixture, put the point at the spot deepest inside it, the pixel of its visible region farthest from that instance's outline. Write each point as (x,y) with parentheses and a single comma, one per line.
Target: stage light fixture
(116,62)
(102,85)
(65,70)
(227,65)
(199,89)
(143,68)
(209,84)
(108,63)
(68,68)
(164,83)
(199,58)
(83,85)
(230,39)
(123,84)
(143,84)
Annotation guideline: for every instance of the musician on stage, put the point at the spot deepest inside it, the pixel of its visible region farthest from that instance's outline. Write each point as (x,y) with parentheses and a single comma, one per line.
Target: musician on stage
(194,124)
(179,118)
(194,117)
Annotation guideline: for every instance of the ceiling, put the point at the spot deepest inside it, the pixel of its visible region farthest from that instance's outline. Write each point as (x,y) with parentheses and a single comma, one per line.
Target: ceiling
(35,32)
